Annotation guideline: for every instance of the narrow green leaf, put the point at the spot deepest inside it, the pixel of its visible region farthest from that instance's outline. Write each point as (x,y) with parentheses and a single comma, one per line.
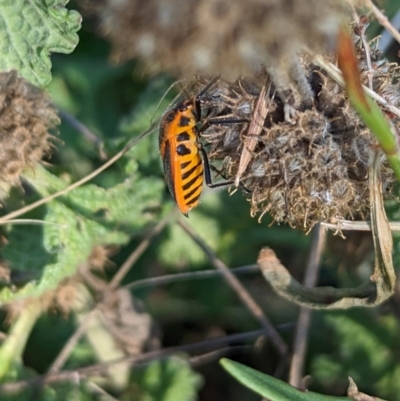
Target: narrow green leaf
(30,31)
(365,106)
(12,348)
(271,388)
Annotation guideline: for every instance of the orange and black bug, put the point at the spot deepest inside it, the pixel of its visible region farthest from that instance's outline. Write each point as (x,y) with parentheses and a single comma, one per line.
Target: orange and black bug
(180,149)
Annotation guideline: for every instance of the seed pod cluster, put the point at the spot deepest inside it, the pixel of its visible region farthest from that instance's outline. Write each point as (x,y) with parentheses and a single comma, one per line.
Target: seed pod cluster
(311,171)
(27,116)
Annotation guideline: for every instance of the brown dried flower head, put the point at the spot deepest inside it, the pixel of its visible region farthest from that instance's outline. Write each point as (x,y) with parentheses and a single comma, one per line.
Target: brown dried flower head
(27,116)
(61,299)
(312,170)
(227,37)
(99,258)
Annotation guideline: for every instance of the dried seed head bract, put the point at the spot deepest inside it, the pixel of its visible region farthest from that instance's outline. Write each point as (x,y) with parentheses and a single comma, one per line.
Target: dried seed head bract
(27,116)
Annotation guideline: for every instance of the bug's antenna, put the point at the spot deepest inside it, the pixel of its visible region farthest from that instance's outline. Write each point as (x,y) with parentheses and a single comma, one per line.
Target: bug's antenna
(164,96)
(208,86)
(198,101)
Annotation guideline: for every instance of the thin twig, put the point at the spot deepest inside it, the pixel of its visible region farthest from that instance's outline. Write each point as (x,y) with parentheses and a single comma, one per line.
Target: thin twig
(336,75)
(78,183)
(85,131)
(133,257)
(64,354)
(209,357)
(296,371)
(349,225)
(98,391)
(386,39)
(382,19)
(200,275)
(237,286)
(99,368)
(33,222)
(367,51)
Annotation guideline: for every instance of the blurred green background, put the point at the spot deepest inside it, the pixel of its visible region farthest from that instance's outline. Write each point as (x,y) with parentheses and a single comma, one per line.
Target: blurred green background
(117,103)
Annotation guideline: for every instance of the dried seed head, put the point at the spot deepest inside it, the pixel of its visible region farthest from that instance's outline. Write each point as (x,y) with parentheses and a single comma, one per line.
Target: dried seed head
(228,37)
(128,321)
(26,118)
(311,171)
(99,257)
(62,299)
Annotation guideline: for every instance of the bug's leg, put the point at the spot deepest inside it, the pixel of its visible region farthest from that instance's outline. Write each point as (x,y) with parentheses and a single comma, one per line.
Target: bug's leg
(207,166)
(221,121)
(208,86)
(207,174)
(198,99)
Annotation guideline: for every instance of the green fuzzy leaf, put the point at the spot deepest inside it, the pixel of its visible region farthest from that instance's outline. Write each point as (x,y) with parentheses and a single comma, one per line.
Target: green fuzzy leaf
(73,225)
(30,31)
(271,388)
(70,391)
(180,250)
(62,246)
(129,205)
(167,380)
(364,347)
(148,108)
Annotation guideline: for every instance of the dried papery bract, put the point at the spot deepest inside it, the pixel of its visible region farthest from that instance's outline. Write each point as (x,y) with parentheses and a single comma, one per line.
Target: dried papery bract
(27,117)
(255,129)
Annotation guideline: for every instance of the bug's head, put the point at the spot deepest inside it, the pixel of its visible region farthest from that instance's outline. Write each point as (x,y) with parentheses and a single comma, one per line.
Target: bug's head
(190,108)
(197,102)
(186,105)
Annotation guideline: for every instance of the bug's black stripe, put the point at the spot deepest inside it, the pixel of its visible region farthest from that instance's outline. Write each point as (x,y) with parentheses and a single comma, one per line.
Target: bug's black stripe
(192,181)
(183,136)
(191,193)
(168,170)
(183,150)
(185,164)
(191,171)
(170,116)
(184,121)
(193,200)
